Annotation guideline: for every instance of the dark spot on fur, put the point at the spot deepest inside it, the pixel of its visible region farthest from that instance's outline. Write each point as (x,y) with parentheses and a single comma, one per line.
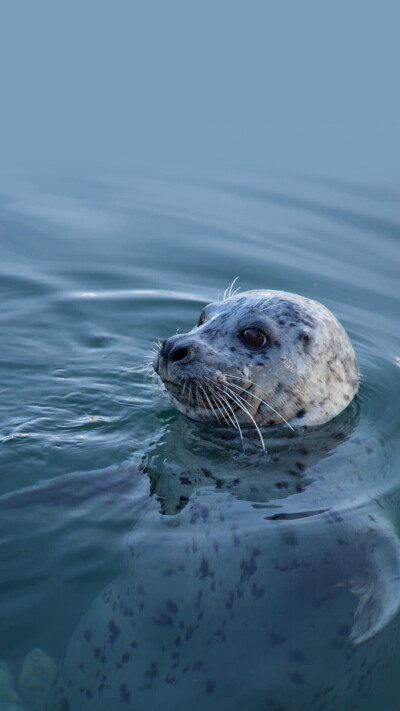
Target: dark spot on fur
(114,630)
(290,538)
(258,590)
(230,600)
(297,678)
(198,665)
(172,607)
(248,568)
(65,705)
(152,671)
(189,633)
(210,686)
(124,693)
(87,635)
(277,638)
(296,655)
(204,569)
(301,413)
(163,620)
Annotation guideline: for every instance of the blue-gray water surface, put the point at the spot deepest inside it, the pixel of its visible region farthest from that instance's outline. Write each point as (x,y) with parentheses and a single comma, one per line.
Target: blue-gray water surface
(92,273)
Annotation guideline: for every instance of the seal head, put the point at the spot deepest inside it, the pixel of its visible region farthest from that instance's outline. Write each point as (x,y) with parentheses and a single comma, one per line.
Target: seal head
(261,358)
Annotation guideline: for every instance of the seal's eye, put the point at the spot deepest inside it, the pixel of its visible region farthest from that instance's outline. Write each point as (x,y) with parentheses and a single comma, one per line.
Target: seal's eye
(201,319)
(253,337)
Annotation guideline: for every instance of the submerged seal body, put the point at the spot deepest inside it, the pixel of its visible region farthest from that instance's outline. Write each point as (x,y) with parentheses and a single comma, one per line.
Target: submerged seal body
(230,604)
(261,358)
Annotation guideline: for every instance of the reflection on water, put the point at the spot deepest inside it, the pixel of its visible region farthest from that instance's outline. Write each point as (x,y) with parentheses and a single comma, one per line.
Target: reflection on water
(92,274)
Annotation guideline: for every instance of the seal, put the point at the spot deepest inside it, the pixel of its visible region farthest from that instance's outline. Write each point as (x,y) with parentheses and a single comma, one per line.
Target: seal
(228,603)
(240,587)
(263,358)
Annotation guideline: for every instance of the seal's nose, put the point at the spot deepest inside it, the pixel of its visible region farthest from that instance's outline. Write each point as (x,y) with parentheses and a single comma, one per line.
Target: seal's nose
(174,352)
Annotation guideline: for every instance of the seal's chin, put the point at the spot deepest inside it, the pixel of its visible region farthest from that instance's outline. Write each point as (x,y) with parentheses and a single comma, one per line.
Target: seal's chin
(195,398)
(211,399)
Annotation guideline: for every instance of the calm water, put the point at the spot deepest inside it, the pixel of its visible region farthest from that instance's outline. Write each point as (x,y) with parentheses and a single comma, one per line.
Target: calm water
(92,273)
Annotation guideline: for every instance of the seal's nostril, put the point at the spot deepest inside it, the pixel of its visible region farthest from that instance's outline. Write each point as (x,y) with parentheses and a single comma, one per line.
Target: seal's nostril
(178,354)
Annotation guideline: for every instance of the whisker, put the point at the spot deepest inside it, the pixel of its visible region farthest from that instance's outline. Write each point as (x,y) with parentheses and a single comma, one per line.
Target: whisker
(225,403)
(208,400)
(220,405)
(223,399)
(266,303)
(231,287)
(228,291)
(199,397)
(233,419)
(239,400)
(235,397)
(142,369)
(236,377)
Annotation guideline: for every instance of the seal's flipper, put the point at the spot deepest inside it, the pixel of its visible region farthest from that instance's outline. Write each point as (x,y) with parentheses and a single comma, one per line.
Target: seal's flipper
(377,582)
(9,698)
(37,675)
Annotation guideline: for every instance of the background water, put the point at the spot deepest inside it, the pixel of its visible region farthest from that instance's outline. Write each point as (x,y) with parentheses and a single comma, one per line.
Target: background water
(151,153)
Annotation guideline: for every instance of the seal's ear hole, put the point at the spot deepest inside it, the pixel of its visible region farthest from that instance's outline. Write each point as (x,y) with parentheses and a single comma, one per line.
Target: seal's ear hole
(201,319)
(305,339)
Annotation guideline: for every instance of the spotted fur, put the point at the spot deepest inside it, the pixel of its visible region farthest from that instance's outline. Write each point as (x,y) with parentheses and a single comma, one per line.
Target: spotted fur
(249,596)
(306,374)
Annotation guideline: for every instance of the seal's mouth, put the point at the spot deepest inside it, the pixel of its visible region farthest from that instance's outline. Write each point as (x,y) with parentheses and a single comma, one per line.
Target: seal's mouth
(196,394)
(215,399)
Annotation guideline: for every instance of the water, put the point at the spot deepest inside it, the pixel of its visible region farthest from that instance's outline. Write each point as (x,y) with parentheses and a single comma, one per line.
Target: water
(92,273)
